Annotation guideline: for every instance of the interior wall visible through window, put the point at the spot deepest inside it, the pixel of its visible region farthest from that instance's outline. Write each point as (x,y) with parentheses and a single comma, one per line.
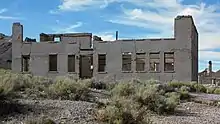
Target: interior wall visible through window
(126,61)
(169,61)
(140,61)
(101,62)
(25,61)
(154,61)
(53,62)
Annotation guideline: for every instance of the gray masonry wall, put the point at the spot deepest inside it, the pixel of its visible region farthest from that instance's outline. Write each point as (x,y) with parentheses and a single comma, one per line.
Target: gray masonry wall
(184,45)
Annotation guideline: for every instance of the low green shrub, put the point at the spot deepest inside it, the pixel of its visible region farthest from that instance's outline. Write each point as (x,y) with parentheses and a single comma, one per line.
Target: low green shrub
(210,90)
(147,95)
(65,88)
(155,100)
(121,111)
(123,89)
(11,84)
(200,88)
(193,86)
(131,102)
(184,92)
(217,91)
(172,100)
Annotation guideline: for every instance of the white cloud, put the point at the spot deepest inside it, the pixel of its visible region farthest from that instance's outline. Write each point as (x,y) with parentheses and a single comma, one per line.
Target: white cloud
(3,10)
(206,17)
(209,55)
(53,12)
(158,15)
(67,29)
(106,36)
(6,17)
(77,5)
(80,5)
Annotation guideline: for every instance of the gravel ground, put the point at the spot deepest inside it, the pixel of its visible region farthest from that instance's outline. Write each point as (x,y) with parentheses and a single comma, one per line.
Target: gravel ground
(69,112)
(79,112)
(191,113)
(204,96)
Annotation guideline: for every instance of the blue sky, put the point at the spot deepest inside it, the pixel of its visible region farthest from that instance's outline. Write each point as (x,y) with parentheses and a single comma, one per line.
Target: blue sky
(132,18)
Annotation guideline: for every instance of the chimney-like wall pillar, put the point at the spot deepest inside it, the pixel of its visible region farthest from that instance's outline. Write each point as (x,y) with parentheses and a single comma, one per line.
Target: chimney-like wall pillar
(210,68)
(17,32)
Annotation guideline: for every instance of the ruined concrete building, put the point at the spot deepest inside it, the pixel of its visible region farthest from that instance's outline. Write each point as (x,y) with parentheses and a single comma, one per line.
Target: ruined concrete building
(81,55)
(208,76)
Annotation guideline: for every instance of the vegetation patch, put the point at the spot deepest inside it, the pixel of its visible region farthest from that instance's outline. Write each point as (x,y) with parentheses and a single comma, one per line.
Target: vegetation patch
(133,101)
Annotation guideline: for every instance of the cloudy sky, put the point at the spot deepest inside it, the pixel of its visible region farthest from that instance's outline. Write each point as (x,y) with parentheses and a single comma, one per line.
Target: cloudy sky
(132,18)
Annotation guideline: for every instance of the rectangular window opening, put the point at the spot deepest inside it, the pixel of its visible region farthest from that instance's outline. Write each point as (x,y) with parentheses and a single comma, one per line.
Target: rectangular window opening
(71,63)
(169,61)
(52,62)
(126,62)
(25,63)
(140,61)
(101,63)
(57,39)
(154,62)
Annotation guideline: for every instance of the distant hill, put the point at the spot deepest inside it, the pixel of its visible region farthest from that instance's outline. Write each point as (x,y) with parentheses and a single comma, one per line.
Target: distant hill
(5,51)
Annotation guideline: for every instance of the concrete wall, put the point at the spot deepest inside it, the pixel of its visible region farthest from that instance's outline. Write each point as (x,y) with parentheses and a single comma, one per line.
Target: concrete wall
(184,45)
(114,50)
(39,53)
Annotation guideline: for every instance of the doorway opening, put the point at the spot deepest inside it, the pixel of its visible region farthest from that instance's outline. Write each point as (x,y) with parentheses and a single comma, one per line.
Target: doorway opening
(86,66)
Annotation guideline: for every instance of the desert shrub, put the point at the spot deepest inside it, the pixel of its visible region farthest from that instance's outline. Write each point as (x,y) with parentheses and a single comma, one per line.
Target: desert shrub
(110,85)
(193,86)
(123,89)
(85,82)
(149,82)
(148,95)
(131,102)
(155,100)
(210,90)
(35,93)
(176,84)
(65,88)
(172,100)
(184,92)
(200,88)
(217,91)
(12,82)
(98,85)
(121,111)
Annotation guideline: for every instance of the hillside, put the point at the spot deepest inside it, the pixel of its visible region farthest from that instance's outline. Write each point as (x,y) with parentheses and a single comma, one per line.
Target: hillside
(5,51)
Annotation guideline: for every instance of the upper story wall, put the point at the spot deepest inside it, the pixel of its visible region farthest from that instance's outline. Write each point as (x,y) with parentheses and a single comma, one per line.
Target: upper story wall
(84,40)
(184,31)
